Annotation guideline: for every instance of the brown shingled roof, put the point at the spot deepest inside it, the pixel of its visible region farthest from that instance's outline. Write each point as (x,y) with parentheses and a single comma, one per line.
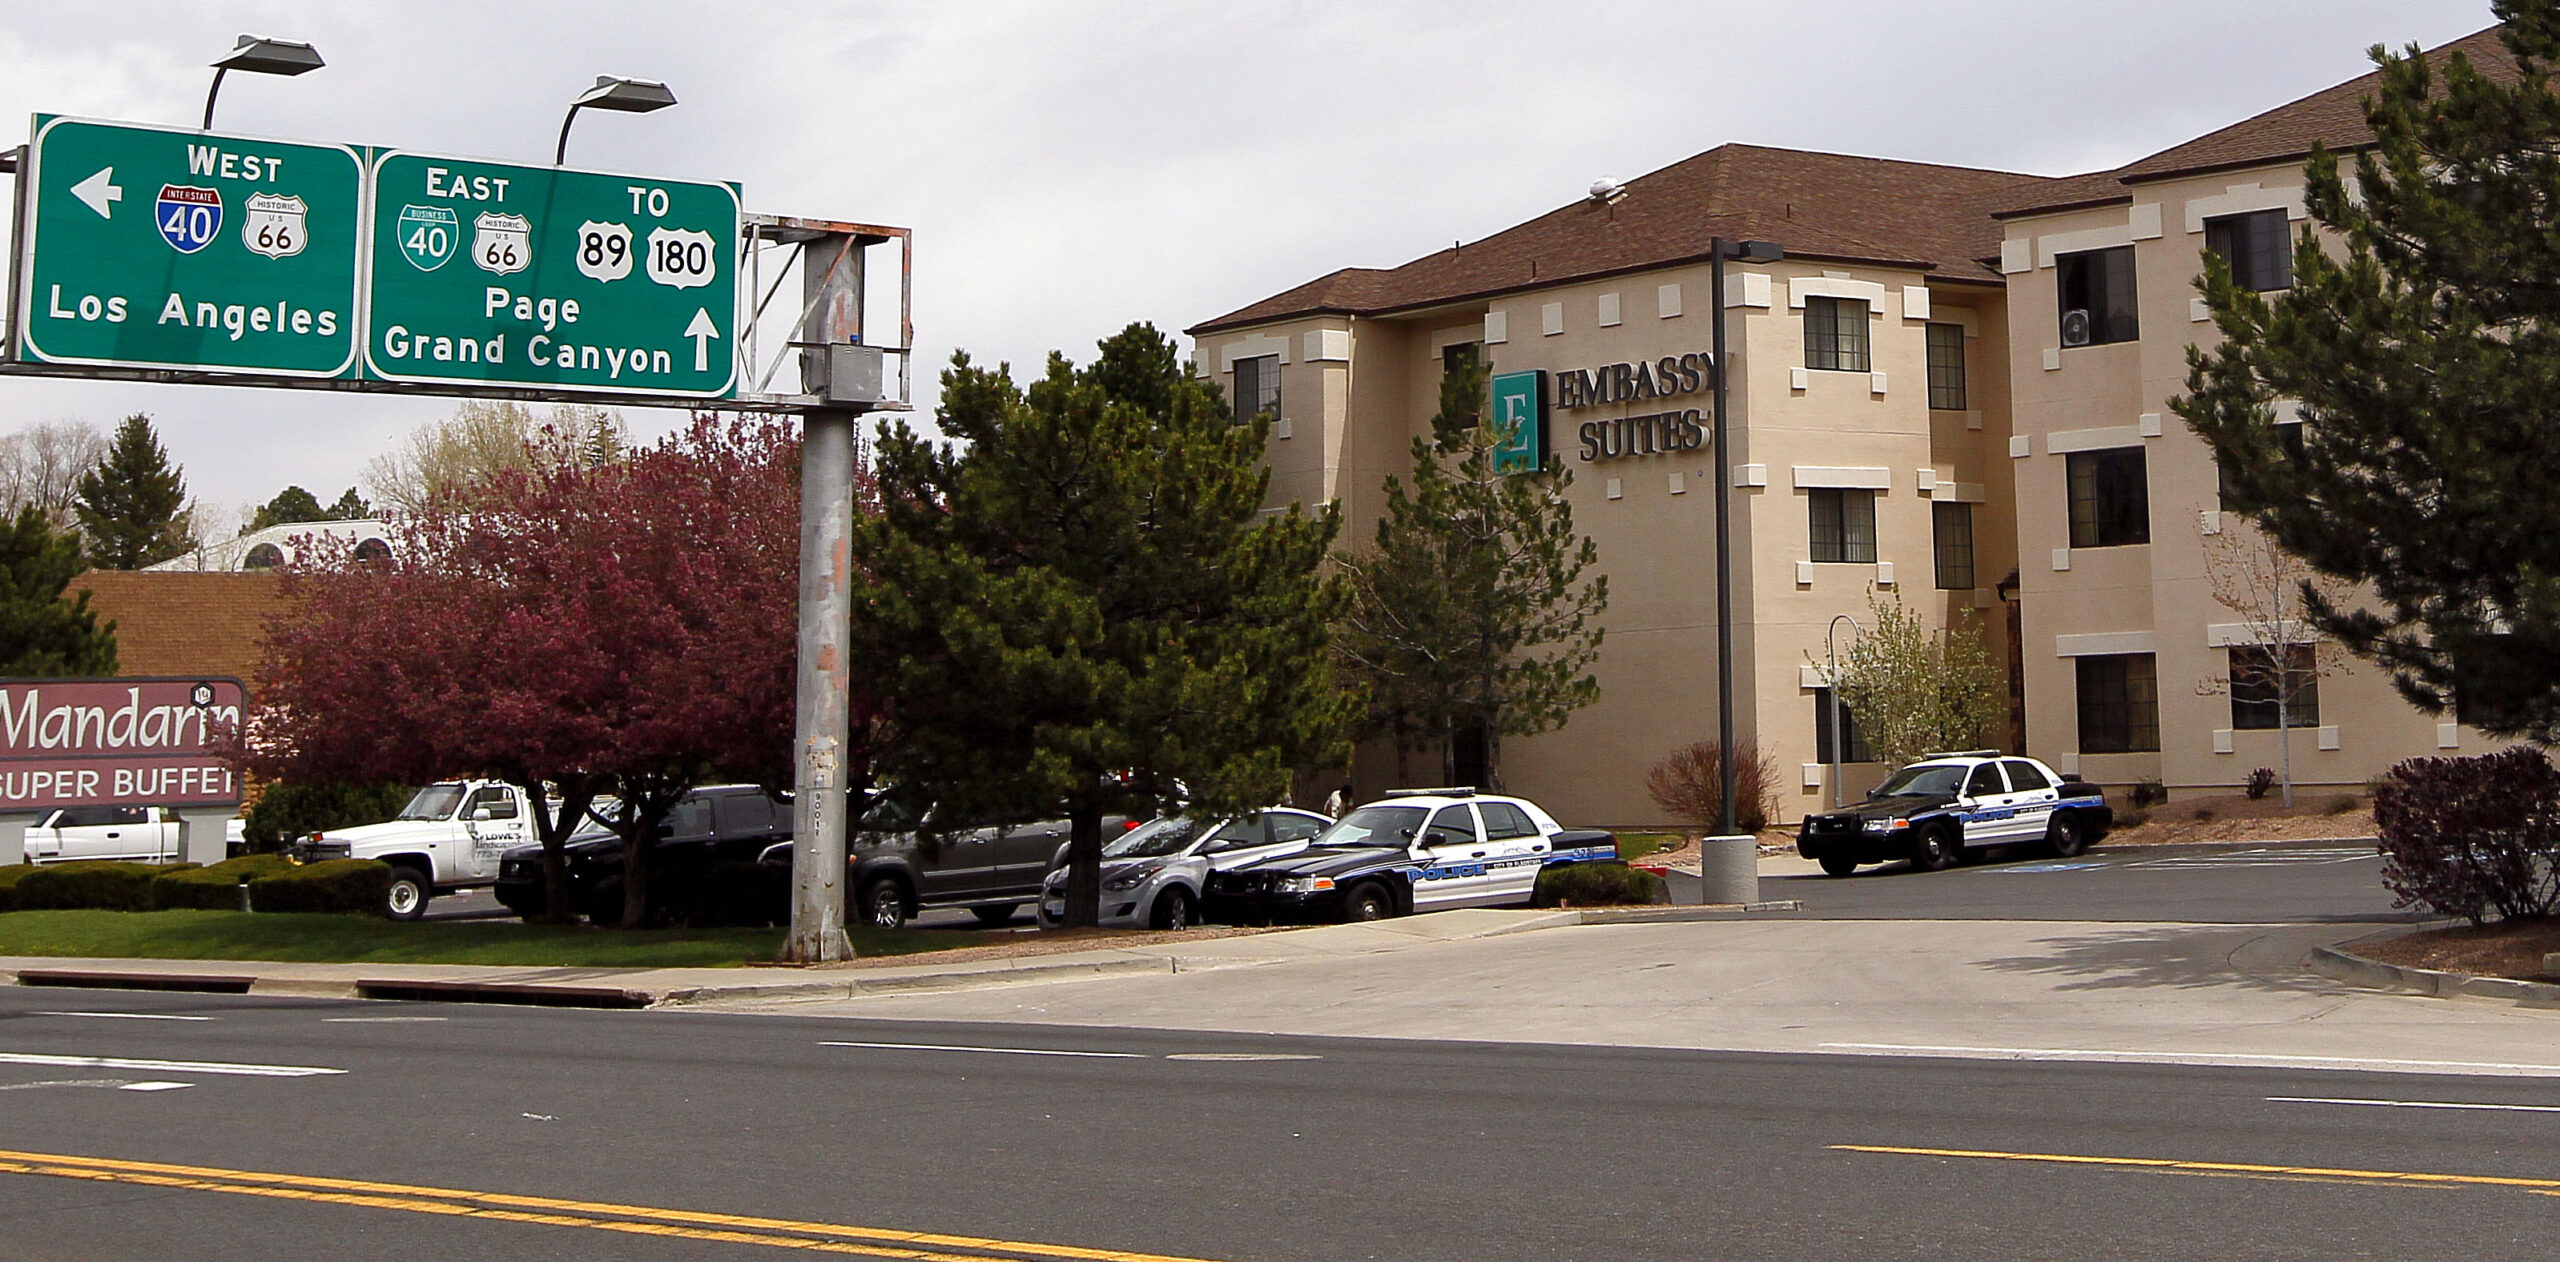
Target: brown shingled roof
(184,623)
(2333,117)
(1818,205)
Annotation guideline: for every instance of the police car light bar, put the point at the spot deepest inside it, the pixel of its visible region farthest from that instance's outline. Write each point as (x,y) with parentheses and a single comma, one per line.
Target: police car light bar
(1964,753)
(1451,791)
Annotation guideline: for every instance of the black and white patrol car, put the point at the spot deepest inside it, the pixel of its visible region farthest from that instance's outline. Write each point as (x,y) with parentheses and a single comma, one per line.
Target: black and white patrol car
(1415,850)
(1935,810)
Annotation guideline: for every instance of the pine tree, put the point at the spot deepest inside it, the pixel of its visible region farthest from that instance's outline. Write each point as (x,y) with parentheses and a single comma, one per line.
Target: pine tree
(1470,611)
(133,506)
(350,507)
(291,505)
(42,634)
(1080,607)
(2424,357)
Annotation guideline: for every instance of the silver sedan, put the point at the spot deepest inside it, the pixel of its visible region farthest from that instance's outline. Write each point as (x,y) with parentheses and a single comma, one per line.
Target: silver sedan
(1152,874)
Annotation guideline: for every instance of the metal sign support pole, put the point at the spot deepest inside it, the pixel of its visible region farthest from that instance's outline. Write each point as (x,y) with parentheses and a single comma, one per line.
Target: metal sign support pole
(818,870)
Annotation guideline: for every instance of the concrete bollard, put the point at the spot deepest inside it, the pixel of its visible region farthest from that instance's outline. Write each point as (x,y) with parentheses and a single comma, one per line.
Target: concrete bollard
(1729,870)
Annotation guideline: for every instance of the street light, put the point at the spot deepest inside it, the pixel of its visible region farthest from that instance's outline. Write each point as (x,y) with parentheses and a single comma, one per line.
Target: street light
(257,54)
(1745,252)
(1838,738)
(630,96)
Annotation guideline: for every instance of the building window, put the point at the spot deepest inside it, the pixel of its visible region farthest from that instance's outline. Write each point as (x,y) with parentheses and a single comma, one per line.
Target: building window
(1257,387)
(265,556)
(1844,524)
(1835,334)
(1946,367)
(2119,704)
(1953,525)
(2258,680)
(2110,498)
(1456,358)
(2097,296)
(1853,743)
(2257,245)
(372,552)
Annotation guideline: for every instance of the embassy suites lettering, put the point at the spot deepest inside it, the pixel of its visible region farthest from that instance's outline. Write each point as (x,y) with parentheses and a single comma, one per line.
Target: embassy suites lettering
(1649,434)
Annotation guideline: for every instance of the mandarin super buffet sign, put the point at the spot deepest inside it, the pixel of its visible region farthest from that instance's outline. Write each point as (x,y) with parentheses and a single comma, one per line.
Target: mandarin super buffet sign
(118,742)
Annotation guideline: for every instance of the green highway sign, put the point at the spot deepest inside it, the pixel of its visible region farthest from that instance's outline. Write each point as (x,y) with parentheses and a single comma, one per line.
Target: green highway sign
(165,248)
(495,274)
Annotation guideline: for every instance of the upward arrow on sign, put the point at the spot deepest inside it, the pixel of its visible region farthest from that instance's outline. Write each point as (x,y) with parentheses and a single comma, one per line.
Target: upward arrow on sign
(99,193)
(702,330)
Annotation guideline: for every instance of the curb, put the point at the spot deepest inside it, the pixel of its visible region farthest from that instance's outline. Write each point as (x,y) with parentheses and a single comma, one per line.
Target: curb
(913,984)
(1658,915)
(2356,970)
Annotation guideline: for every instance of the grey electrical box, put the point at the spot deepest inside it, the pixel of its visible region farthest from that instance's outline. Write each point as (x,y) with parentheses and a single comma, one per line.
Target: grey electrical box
(853,374)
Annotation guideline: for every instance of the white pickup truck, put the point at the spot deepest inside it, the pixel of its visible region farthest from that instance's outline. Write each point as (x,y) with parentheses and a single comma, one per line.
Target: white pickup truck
(145,834)
(448,838)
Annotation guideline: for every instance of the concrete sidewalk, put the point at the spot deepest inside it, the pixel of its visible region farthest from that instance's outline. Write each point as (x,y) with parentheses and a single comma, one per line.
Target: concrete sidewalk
(655,987)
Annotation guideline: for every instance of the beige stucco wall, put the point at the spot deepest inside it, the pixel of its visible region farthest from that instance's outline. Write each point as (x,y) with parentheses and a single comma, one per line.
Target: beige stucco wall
(1655,535)
(2161,588)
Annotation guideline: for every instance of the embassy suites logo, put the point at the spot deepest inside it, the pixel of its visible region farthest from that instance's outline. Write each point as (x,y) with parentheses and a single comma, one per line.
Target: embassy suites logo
(1653,433)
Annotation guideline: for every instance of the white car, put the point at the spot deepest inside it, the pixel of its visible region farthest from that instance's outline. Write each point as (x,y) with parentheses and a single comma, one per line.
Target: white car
(1152,875)
(147,834)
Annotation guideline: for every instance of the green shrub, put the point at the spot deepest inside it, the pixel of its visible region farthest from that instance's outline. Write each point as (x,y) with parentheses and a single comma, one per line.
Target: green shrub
(2132,817)
(736,896)
(354,887)
(2470,837)
(2343,803)
(216,888)
(9,878)
(88,886)
(287,811)
(1598,885)
(2261,780)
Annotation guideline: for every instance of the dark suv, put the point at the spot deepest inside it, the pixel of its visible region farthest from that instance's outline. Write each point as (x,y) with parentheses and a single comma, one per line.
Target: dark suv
(732,823)
(992,869)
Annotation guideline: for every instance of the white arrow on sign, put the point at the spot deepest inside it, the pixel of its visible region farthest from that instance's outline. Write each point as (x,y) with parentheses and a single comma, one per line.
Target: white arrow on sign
(99,192)
(702,330)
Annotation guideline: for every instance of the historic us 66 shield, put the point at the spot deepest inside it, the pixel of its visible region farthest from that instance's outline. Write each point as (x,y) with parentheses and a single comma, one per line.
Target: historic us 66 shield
(502,243)
(428,235)
(271,224)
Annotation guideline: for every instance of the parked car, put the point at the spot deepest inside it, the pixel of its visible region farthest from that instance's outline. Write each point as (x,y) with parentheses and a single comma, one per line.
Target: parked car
(1152,875)
(990,868)
(448,838)
(1416,850)
(730,823)
(146,834)
(1939,810)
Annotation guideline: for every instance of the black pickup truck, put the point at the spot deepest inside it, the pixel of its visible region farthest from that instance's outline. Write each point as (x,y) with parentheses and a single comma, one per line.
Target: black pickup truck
(1935,810)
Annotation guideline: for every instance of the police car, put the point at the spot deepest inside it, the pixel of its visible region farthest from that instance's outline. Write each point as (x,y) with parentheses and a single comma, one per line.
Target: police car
(1414,850)
(1936,810)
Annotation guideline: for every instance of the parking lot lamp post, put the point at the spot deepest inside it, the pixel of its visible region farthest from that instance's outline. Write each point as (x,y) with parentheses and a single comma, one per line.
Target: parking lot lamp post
(259,55)
(1839,738)
(1745,252)
(630,96)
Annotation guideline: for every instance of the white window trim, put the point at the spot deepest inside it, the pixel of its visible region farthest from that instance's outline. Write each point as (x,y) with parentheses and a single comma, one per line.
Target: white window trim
(2105,644)
(1803,287)
(1254,346)
(1827,477)
(2240,199)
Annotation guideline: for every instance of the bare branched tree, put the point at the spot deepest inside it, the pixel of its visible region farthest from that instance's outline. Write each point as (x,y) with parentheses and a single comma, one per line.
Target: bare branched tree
(451,457)
(2275,658)
(40,464)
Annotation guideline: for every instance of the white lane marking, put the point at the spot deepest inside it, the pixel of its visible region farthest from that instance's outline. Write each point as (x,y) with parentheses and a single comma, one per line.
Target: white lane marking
(155,1086)
(1242,1056)
(124,1016)
(380,1020)
(2414,1104)
(2230,1059)
(168,1066)
(1008,1051)
(63,1082)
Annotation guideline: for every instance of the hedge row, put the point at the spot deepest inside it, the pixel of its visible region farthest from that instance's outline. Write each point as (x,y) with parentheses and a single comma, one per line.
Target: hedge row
(1598,885)
(348,886)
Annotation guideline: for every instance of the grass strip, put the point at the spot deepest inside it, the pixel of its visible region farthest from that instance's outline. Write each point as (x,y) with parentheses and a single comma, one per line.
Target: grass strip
(319,939)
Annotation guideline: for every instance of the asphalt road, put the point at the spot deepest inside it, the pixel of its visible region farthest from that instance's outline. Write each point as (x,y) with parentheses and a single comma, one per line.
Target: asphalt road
(1194,1146)
(2289,882)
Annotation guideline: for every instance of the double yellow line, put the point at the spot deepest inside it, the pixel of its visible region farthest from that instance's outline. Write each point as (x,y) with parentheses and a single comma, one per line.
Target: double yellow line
(636,1220)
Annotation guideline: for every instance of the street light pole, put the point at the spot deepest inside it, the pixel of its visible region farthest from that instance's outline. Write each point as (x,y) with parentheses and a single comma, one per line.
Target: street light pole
(630,96)
(257,54)
(1748,252)
(1838,737)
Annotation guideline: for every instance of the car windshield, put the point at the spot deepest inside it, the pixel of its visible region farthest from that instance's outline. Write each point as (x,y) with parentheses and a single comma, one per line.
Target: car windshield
(1372,826)
(1153,839)
(436,801)
(1925,781)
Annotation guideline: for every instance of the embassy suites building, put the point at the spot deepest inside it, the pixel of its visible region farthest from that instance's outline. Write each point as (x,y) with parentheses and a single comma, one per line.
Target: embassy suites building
(1954,389)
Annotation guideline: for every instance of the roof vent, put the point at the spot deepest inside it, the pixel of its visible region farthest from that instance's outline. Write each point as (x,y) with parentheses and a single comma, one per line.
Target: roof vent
(1605,190)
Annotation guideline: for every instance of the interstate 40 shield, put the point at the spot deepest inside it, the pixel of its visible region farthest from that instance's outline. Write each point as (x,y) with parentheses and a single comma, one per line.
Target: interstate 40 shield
(498,274)
(159,247)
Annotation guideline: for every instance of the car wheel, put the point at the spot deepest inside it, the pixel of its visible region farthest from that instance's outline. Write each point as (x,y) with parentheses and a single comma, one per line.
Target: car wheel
(408,895)
(1368,902)
(2063,837)
(1173,910)
(884,904)
(1936,851)
(994,915)
(1838,865)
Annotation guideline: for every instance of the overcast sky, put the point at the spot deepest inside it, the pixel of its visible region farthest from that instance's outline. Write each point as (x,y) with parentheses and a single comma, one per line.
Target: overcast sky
(1071,167)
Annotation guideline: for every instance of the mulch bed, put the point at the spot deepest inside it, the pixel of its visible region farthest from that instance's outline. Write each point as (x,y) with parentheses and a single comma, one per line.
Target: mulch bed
(2512,949)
